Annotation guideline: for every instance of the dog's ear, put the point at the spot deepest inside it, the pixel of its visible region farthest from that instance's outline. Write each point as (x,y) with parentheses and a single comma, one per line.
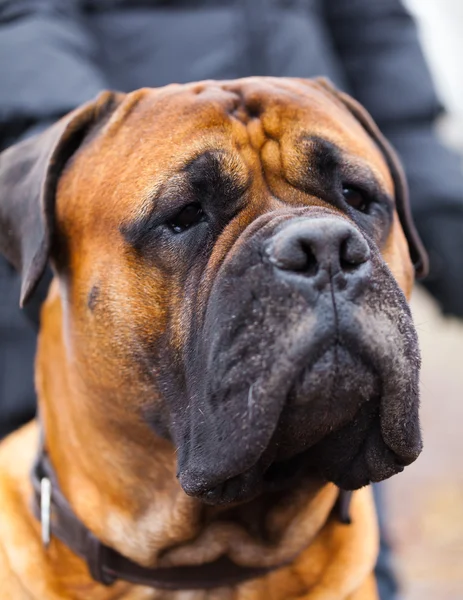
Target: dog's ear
(29,174)
(417,251)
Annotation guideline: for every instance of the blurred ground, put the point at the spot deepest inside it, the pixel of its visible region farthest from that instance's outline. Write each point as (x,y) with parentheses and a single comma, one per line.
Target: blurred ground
(425,503)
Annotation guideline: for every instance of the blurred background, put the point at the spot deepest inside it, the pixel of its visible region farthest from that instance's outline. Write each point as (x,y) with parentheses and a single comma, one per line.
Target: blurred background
(424,505)
(55,54)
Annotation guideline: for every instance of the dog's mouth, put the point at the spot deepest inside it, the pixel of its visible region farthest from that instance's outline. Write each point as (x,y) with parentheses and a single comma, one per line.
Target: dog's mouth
(278,476)
(292,455)
(333,399)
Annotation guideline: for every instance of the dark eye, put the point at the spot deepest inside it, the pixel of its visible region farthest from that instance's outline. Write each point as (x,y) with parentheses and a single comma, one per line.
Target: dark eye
(187,217)
(356,198)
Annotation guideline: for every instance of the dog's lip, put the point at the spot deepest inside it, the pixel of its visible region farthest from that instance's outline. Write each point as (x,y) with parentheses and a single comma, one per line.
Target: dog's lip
(235,490)
(245,487)
(270,472)
(222,490)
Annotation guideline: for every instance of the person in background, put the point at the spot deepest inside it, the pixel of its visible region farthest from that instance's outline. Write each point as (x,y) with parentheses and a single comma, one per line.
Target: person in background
(55,55)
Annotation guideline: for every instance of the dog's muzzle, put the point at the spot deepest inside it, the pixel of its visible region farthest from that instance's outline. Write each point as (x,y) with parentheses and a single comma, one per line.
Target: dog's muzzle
(309,366)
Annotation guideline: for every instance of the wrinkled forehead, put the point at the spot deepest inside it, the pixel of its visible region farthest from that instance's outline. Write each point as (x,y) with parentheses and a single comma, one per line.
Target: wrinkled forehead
(248,125)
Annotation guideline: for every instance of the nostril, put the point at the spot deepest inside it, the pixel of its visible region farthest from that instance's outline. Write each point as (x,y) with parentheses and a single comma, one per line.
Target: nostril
(293,254)
(353,252)
(310,267)
(346,260)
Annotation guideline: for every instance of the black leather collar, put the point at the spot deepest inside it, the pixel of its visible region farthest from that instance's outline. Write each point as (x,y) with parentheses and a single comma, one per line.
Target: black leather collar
(107,565)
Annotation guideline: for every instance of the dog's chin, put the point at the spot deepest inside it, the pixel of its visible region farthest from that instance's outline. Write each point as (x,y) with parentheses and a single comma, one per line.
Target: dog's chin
(281,476)
(331,406)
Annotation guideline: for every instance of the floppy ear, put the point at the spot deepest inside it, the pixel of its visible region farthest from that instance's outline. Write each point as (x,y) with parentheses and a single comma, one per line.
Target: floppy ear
(417,252)
(29,174)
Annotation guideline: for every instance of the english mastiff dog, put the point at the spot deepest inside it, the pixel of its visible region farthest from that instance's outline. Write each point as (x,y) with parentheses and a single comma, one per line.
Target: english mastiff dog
(226,344)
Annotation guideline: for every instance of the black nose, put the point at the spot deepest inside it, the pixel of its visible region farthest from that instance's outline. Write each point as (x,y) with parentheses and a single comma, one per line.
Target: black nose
(323,249)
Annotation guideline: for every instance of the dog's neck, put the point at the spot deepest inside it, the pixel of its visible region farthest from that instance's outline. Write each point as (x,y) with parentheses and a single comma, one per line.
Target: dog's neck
(120,480)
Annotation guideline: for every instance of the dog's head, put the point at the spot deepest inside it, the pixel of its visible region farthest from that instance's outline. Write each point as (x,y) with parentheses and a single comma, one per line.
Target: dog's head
(234,260)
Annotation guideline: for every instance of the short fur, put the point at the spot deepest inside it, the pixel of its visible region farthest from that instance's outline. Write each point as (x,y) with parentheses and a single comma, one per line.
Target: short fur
(201,391)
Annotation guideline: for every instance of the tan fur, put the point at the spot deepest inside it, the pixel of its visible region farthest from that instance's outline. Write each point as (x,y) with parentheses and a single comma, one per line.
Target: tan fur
(118,476)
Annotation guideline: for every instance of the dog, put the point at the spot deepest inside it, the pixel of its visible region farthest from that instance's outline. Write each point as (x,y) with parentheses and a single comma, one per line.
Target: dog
(225,344)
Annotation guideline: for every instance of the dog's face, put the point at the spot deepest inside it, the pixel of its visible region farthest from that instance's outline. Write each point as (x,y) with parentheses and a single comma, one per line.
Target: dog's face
(233,271)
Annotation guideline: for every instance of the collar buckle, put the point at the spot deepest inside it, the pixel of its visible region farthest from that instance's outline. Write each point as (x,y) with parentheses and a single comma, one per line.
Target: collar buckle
(45,510)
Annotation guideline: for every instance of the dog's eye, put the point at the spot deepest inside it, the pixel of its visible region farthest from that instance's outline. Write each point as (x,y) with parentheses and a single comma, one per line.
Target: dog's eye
(356,198)
(189,215)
